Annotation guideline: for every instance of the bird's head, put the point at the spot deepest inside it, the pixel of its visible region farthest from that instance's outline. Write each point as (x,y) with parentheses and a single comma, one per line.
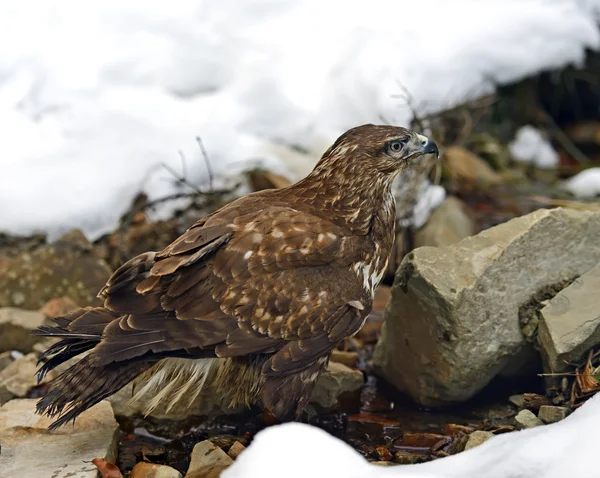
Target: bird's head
(378,150)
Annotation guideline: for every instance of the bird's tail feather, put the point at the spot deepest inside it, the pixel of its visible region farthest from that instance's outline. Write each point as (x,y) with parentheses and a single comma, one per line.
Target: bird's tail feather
(82,385)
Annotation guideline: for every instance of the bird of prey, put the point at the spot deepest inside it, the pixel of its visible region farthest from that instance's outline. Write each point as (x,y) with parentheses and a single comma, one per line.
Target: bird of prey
(252,298)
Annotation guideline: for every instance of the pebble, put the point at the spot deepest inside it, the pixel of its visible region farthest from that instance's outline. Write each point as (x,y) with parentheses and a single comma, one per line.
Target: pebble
(477,438)
(207,461)
(552,414)
(151,470)
(527,419)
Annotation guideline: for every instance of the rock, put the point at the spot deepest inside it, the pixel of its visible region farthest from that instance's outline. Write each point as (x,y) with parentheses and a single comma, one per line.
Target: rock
(570,323)
(58,307)
(30,450)
(336,380)
(552,414)
(465,166)
(208,461)
(448,224)
(6,358)
(517,400)
(67,267)
(453,322)
(527,419)
(151,470)
(16,326)
(235,450)
(477,438)
(17,378)
(348,359)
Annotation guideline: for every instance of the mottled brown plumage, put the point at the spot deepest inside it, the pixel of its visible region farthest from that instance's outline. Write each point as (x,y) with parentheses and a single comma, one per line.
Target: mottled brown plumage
(253,297)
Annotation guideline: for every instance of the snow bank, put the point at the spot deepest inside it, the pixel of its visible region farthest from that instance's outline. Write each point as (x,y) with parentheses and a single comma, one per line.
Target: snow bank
(95,95)
(585,184)
(530,146)
(566,448)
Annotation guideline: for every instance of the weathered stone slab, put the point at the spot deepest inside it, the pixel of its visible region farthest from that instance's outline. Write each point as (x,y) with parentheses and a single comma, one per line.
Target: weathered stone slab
(453,322)
(16,326)
(30,450)
(570,323)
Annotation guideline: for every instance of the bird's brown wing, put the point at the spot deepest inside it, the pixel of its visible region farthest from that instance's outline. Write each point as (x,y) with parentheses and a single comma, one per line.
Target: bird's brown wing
(276,280)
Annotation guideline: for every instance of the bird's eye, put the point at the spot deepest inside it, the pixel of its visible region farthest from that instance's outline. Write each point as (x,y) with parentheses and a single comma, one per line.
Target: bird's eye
(396,145)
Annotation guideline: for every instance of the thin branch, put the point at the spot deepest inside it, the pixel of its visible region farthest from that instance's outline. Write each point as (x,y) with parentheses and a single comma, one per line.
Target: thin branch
(207,162)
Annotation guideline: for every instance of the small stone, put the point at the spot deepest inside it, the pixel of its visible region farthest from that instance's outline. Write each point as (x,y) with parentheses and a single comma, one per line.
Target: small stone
(16,326)
(448,224)
(527,419)
(336,380)
(30,450)
(552,414)
(348,359)
(235,450)
(58,307)
(466,167)
(477,438)
(517,400)
(6,358)
(207,461)
(151,470)
(17,378)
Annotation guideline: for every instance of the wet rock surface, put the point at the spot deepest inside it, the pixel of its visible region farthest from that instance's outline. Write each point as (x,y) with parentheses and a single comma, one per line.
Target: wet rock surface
(66,267)
(453,322)
(335,381)
(570,323)
(30,450)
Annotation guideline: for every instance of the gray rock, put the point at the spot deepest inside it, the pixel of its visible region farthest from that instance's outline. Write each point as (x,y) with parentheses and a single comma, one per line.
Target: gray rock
(17,378)
(336,380)
(452,324)
(6,358)
(30,450)
(16,326)
(552,414)
(477,438)
(570,323)
(527,419)
(67,267)
(448,224)
(517,400)
(151,470)
(207,461)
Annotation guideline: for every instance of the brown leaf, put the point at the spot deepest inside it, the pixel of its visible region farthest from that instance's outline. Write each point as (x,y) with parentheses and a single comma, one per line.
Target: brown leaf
(106,469)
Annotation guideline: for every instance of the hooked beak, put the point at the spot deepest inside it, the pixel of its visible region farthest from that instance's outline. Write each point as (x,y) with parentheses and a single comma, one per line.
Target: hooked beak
(420,145)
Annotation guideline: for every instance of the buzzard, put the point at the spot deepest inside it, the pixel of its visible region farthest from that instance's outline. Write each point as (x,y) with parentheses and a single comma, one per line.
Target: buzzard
(252,298)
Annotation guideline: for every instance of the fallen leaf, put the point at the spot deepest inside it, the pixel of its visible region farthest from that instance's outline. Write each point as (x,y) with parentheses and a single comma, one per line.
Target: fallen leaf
(106,469)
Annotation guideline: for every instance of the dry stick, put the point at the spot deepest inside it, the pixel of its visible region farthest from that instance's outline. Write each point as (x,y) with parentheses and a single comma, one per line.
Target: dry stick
(207,162)
(565,141)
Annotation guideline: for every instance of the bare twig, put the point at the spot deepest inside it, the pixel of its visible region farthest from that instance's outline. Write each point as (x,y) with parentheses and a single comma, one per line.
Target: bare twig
(563,139)
(207,162)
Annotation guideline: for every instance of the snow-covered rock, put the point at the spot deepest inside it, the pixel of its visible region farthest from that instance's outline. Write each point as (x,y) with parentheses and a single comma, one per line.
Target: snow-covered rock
(95,96)
(566,448)
(530,146)
(585,184)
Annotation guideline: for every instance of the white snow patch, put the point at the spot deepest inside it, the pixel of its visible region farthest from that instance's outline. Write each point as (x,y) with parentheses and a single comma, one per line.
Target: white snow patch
(585,184)
(566,448)
(95,95)
(530,146)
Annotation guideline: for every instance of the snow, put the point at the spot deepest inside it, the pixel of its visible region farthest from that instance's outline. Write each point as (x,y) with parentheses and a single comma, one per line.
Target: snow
(566,448)
(95,95)
(585,184)
(530,146)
